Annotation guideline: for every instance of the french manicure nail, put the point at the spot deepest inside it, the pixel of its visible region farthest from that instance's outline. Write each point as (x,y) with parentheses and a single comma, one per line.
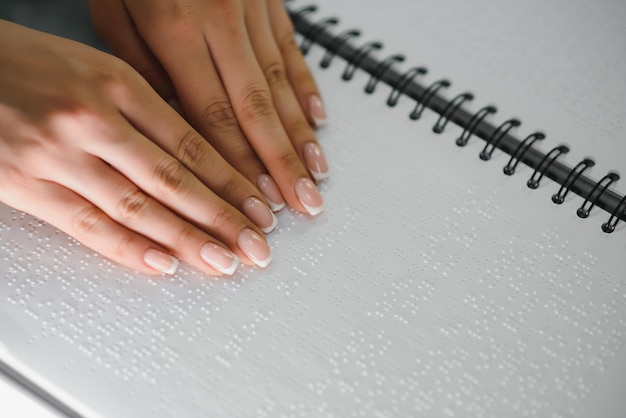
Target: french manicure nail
(160,261)
(219,258)
(260,214)
(316,108)
(315,161)
(255,247)
(268,187)
(309,196)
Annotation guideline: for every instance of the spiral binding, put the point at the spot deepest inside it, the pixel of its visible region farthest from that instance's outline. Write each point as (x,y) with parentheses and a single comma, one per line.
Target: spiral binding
(473,124)
(406,79)
(314,32)
(382,67)
(519,152)
(425,98)
(337,43)
(594,193)
(547,161)
(609,226)
(571,178)
(358,56)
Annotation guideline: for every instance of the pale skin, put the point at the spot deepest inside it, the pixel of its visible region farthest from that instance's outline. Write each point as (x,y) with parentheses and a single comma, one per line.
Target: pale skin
(89,146)
(240,78)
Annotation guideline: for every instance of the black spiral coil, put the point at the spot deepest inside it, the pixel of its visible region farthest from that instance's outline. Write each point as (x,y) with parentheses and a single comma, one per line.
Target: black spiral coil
(430,96)
(597,191)
(571,178)
(405,80)
(546,162)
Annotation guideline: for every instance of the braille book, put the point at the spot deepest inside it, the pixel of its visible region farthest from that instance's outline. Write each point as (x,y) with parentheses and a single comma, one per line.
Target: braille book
(470,261)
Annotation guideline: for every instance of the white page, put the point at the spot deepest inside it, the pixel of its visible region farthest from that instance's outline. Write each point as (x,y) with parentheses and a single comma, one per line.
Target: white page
(433,285)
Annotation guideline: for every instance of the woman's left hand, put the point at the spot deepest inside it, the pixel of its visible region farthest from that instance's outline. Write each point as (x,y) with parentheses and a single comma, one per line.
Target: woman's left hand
(238,73)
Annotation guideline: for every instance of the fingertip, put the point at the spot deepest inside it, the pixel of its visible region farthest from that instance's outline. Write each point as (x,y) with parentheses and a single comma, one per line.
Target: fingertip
(316,110)
(160,261)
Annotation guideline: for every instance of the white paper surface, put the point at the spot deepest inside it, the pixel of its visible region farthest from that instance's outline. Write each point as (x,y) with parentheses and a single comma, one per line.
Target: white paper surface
(433,285)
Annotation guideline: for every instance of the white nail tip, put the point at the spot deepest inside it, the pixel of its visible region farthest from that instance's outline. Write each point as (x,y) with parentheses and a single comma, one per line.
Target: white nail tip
(171,270)
(263,263)
(319,176)
(270,228)
(230,270)
(173,267)
(275,207)
(313,210)
(319,123)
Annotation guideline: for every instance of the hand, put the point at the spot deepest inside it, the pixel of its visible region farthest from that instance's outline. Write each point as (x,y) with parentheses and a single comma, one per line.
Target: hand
(239,75)
(88,146)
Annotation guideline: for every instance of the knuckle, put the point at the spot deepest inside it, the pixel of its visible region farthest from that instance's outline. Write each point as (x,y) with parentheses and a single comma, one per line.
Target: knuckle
(183,26)
(191,147)
(275,73)
(170,175)
(183,236)
(256,104)
(300,128)
(132,205)
(287,41)
(244,154)
(220,114)
(125,245)
(87,220)
(288,160)
(222,217)
(12,175)
(229,187)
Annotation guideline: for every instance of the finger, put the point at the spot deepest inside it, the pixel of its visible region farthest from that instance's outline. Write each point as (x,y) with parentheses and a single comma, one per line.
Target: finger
(155,172)
(128,205)
(253,105)
(298,71)
(289,110)
(92,227)
(202,96)
(113,23)
(180,140)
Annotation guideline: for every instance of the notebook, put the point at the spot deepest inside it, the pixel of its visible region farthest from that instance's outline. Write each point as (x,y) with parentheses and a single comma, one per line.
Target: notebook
(434,284)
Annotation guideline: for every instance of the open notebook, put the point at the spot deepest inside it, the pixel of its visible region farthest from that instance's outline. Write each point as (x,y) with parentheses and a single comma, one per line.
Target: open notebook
(433,285)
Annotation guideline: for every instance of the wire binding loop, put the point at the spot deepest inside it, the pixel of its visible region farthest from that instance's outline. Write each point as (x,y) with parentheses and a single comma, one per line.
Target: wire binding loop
(571,178)
(359,55)
(519,152)
(380,70)
(403,82)
(496,137)
(314,32)
(597,191)
(473,124)
(426,97)
(609,226)
(303,11)
(544,164)
(337,43)
(449,111)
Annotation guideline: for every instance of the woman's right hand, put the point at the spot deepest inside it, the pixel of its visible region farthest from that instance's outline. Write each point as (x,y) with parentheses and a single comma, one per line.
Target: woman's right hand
(88,146)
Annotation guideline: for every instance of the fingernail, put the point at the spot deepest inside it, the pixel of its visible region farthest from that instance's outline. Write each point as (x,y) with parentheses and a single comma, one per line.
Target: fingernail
(316,108)
(315,161)
(219,258)
(309,196)
(255,247)
(260,214)
(158,260)
(268,187)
